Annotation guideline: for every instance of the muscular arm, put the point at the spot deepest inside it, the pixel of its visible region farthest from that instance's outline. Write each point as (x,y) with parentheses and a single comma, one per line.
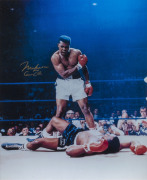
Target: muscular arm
(60,68)
(85,73)
(76,151)
(116,131)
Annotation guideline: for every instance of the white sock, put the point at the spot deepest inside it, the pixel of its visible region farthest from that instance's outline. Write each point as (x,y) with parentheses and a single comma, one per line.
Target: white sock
(45,134)
(25,147)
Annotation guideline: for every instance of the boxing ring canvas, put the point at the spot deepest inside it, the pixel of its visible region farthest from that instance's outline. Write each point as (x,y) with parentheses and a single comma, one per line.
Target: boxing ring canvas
(52,165)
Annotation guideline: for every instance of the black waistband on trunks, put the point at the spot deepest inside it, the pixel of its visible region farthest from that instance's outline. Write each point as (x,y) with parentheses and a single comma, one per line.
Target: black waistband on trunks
(75,75)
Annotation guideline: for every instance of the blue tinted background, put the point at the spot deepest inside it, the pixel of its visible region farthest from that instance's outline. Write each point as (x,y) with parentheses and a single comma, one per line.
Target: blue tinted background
(111,33)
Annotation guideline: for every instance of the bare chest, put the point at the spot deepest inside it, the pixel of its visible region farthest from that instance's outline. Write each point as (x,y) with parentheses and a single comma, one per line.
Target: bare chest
(69,62)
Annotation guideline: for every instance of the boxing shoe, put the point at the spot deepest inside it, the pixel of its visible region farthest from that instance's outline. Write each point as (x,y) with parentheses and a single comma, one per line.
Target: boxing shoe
(40,135)
(12,146)
(31,140)
(138,149)
(99,146)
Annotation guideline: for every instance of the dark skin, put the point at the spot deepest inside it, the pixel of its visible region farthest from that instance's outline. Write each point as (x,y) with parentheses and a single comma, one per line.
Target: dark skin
(77,149)
(65,63)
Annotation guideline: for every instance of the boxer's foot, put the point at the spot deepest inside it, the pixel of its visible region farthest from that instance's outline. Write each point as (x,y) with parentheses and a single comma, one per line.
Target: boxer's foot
(12,146)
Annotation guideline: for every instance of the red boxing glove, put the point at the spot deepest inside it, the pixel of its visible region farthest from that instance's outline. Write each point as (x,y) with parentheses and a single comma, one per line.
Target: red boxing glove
(99,146)
(138,149)
(82,61)
(88,88)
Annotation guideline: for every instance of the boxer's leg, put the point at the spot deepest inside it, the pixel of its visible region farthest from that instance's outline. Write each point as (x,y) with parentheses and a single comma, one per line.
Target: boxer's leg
(61,107)
(57,124)
(83,103)
(48,143)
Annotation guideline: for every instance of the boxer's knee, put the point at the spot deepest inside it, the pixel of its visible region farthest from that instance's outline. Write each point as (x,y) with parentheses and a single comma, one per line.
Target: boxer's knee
(55,120)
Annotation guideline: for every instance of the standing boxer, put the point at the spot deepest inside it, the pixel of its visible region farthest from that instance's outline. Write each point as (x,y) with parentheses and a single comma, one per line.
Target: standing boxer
(70,65)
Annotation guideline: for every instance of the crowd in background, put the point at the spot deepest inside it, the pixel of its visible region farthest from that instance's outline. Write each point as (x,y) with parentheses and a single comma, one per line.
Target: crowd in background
(119,123)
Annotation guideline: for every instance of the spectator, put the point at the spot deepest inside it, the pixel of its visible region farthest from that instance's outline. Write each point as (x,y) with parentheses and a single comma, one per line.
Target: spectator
(102,124)
(25,132)
(141,123)
(96,114)
(106,128)
(123,111)
(143,113)
(130,127)
(3,132)
(143,128)
(135,114)
(11,132)
(37,130)
(41,125)
(69,115)
(122,122)
(77,115)
(32,127)
(112,118)
(76,122)
(118,114)
(83,124)
(143,117)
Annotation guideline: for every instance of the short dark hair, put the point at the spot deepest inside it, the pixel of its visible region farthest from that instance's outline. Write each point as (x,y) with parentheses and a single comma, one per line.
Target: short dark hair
(65,39)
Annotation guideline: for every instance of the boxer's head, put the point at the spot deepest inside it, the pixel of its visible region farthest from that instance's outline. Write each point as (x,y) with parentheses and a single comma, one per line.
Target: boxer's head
(64,45)
(65,39)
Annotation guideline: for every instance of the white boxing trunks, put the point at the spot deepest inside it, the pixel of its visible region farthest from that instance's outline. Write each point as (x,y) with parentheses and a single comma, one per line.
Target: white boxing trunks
(70,87)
